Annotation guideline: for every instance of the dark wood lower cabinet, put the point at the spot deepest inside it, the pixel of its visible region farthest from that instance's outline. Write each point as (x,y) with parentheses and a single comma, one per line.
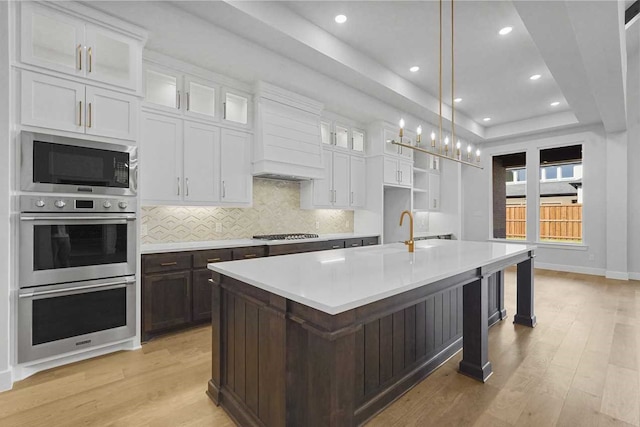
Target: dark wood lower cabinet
(201,295)
(176,292)
(166,300)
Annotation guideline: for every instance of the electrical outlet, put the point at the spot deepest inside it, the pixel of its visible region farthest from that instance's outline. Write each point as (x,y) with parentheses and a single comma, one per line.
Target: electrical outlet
(317,225)
(218,227)
(144,230)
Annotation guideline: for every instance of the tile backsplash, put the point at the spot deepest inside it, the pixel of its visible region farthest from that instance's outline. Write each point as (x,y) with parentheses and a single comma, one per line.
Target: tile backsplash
(276,209)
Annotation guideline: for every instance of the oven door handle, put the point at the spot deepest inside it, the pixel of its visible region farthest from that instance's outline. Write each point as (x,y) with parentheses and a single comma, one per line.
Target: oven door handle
(109,285)
(119,219)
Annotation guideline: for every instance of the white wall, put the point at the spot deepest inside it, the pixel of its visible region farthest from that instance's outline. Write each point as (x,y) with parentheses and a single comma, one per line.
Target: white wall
(633,157)
(448,219)
(5,199)
(477,192)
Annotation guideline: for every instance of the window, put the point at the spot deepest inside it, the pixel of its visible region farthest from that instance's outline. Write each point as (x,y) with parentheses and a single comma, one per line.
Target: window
(561,194)
(509,197)
(559,199)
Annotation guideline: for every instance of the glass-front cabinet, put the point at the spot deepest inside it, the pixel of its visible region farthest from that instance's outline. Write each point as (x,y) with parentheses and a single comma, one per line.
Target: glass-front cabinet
(200,98)
(50,39)
(236,106)
(342,136)
(357,140)
(162,89)
(54,40)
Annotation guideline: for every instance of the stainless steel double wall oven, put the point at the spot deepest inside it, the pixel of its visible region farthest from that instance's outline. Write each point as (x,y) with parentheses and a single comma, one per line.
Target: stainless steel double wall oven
(77,251)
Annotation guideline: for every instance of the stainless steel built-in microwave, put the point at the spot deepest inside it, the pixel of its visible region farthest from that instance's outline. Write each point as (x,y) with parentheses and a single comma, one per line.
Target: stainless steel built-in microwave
(67,165)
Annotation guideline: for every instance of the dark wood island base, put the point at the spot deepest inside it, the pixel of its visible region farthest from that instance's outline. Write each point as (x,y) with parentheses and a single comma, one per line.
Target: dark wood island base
(276,362)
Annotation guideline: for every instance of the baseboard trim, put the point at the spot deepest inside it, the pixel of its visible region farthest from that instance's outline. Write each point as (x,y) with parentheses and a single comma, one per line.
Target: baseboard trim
(23,371)
(6,380)
(634,276)
(617,275)
(571,268)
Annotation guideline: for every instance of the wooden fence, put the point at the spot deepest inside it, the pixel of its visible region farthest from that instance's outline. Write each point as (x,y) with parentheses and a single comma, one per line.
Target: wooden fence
(557,222)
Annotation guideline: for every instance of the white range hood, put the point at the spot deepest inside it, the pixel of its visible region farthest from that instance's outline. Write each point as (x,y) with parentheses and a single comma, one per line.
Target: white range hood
(287,135)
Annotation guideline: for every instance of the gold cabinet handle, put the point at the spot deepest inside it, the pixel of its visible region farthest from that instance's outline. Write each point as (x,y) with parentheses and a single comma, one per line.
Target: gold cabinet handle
(89,51)
(178,99)
(168,264)
(178,178)
(213,259)
(250,255)
(224,109)
(79,49)
(89,117)
(186,182)
(80,114)
(187,101)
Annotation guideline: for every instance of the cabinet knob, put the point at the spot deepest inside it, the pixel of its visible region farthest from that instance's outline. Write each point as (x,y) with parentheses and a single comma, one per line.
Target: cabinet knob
(40,203)
(60,204)
(106,204)
(123,204)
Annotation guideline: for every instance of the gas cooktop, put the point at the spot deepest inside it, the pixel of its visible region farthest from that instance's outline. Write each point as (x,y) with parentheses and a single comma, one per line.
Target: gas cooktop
(293,236)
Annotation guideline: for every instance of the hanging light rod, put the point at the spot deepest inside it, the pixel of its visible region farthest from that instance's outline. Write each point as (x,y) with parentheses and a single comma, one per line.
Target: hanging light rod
(434,153)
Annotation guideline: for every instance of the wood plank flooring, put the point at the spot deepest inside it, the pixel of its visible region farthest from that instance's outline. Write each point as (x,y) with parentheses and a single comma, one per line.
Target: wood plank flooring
(579,367)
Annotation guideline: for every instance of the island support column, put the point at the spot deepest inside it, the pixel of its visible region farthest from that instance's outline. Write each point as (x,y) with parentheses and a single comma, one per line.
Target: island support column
(524,305)
(475,330)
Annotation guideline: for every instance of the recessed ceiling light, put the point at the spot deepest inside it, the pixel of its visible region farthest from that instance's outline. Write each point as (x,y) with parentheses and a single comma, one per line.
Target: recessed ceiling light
(505,31)
(414,69)
(486,119)
(457,100)
(341,19)
(535,77)
(555,103)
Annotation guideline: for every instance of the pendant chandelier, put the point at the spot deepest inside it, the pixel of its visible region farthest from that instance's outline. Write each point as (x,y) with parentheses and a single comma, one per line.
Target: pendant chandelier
(441,149)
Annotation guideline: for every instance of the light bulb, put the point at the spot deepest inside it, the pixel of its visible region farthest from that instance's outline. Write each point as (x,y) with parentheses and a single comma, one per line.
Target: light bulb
(433,136)
(401,123)
(468,148)
(458,145)
(446,140)
(419,130)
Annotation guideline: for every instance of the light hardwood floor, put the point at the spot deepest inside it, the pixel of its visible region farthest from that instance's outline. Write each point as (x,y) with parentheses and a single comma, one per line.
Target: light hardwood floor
(579,367)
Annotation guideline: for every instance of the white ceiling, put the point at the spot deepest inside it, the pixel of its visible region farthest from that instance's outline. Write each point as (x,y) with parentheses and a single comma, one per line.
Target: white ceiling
(491,71)
(373,51)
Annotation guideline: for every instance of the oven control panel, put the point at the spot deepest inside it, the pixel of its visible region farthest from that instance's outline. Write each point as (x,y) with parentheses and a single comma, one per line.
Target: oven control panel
(75,204)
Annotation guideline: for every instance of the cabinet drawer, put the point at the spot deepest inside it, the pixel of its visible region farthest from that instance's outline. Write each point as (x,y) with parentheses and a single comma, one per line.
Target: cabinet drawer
(166,262)
(369,241)
(297,248)
(353,243)
(336,244)
(250,252)
(202,258)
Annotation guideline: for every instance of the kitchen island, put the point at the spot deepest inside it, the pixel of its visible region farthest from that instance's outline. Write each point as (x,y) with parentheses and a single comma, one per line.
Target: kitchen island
(331,338)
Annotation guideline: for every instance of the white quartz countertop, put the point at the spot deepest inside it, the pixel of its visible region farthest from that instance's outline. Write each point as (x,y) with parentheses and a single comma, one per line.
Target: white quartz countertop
(154,248)
(343,279)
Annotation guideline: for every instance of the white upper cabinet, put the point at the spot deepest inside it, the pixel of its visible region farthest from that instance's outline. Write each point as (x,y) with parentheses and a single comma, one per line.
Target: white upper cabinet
(358,182)
(200,98)
(336,133)
(51,39)
(236,107)
(194,163)
(341,136)
(201,157)
(235,167)
(111,57)
(381,135)
(111,114)
(397,172)
(52,103)
(343,185)
(162,89)
(61,104)
(357,140)
(434,191)
(194,97)
(161,159)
